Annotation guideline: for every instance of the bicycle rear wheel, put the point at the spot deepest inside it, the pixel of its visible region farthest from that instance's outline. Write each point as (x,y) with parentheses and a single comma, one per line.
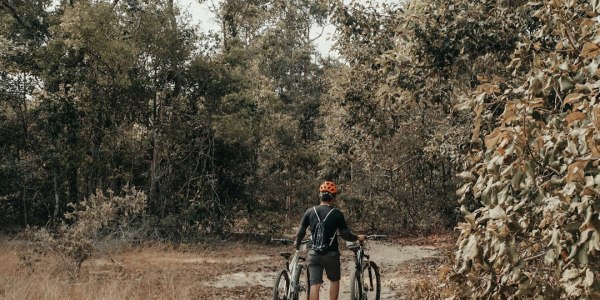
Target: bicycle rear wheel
(303,284)
(371,282)
(282,283)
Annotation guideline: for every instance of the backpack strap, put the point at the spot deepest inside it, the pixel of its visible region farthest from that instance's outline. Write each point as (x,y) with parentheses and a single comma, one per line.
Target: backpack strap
(315,209)
(328,214)
(335,234)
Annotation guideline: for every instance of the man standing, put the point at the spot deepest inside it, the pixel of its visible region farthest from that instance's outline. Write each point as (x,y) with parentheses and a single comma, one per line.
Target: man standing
(325,221)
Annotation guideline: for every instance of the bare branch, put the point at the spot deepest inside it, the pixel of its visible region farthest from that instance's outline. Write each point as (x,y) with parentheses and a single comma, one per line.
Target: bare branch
(14,12)
(535,256)
(318,36)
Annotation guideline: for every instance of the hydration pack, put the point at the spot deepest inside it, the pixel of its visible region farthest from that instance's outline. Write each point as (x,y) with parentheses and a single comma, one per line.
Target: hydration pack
(319,243)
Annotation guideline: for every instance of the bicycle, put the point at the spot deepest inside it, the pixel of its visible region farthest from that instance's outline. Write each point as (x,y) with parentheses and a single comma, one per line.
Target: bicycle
(289,284)
(365,281)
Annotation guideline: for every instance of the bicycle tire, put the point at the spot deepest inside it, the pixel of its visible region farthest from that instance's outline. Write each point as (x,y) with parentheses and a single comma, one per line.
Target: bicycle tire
(369,281)
(277,293)
(302,288)
(355,286)
(373,280)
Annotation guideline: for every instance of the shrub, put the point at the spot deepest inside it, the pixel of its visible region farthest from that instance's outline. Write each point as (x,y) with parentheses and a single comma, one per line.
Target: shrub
(75,240)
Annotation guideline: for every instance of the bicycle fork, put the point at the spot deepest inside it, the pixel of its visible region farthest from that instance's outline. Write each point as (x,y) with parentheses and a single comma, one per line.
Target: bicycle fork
(370,287)
(295,273)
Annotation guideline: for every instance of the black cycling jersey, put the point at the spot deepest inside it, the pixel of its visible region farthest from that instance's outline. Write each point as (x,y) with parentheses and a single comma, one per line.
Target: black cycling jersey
(335,222)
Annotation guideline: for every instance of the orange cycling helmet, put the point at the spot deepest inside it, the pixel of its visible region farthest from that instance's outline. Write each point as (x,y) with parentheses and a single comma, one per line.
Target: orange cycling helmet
(329,187)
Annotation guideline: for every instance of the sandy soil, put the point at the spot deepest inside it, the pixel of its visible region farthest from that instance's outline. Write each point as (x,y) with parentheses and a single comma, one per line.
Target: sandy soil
(389,257)
(234,271)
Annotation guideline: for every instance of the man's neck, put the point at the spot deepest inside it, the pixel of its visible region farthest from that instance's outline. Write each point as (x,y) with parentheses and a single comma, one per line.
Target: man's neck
(327,203)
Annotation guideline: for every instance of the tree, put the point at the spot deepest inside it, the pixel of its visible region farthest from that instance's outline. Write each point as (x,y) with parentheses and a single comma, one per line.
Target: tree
(387,141)
(536,232)
(24,31)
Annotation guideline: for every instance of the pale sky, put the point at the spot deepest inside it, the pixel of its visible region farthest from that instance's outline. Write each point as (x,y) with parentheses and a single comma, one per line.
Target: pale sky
(202,16)
(200,13)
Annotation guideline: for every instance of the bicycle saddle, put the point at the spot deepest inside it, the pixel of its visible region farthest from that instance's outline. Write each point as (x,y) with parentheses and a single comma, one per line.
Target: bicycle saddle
(286,255)
(354,247)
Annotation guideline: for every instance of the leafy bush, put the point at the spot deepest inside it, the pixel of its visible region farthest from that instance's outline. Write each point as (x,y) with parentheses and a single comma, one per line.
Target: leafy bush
(536,175)
(98,216)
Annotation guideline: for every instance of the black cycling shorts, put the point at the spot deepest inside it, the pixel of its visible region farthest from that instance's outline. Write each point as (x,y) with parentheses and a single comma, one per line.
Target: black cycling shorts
(329,261)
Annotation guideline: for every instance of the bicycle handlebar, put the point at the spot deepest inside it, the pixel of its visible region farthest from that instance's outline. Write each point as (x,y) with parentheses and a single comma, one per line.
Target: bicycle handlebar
(376,237)
(368,237)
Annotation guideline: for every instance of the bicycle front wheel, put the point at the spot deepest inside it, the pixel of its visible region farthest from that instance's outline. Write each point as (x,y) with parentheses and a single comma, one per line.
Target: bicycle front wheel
(302,283)
(366,283)
(282,283)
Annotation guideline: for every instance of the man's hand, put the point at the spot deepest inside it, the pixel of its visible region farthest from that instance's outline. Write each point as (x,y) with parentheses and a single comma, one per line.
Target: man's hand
(361,237)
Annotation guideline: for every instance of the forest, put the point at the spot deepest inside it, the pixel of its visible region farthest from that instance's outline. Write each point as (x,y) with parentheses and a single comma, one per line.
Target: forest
(125,119)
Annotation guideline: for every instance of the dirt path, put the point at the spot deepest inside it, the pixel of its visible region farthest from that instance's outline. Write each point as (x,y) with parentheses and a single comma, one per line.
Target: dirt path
(391,258)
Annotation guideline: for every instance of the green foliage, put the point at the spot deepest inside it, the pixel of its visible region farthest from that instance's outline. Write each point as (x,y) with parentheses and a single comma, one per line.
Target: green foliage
(97,95)
(384,148)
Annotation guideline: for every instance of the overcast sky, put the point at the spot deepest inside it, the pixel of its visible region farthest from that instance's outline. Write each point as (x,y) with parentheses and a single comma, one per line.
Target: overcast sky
(202,16)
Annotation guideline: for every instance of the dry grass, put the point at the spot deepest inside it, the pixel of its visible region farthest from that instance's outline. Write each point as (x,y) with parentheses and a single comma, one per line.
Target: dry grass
(149,272)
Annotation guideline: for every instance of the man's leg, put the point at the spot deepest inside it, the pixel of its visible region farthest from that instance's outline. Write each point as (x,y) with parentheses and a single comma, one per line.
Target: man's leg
(333,269)
(334,290)
(314,291)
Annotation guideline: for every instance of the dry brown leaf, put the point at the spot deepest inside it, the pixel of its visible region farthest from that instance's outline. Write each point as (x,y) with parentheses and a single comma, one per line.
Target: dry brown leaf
(592,144)
(588,22)
(588,192)
(502,151)
(572,98)
(492,139)
(509,113)
(538,144)
(497,80)
(537,103)
(590,50)
(596,117)
(488,88)
(482,78)
(443,271)
(576,172)
(477,123)
(575,116)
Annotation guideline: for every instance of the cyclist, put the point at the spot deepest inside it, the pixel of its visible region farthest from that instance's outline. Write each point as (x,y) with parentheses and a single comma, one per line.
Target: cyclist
(332,220)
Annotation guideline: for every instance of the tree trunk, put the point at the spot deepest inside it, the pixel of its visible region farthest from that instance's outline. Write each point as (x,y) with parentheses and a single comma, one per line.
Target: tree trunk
(351,176)
(25,221)
(152,195)
(56,198)
(73,186)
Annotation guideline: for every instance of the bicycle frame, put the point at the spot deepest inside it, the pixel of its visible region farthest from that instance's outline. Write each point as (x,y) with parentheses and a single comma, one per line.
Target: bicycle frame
(359,257)
(292,267)
(294,263)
